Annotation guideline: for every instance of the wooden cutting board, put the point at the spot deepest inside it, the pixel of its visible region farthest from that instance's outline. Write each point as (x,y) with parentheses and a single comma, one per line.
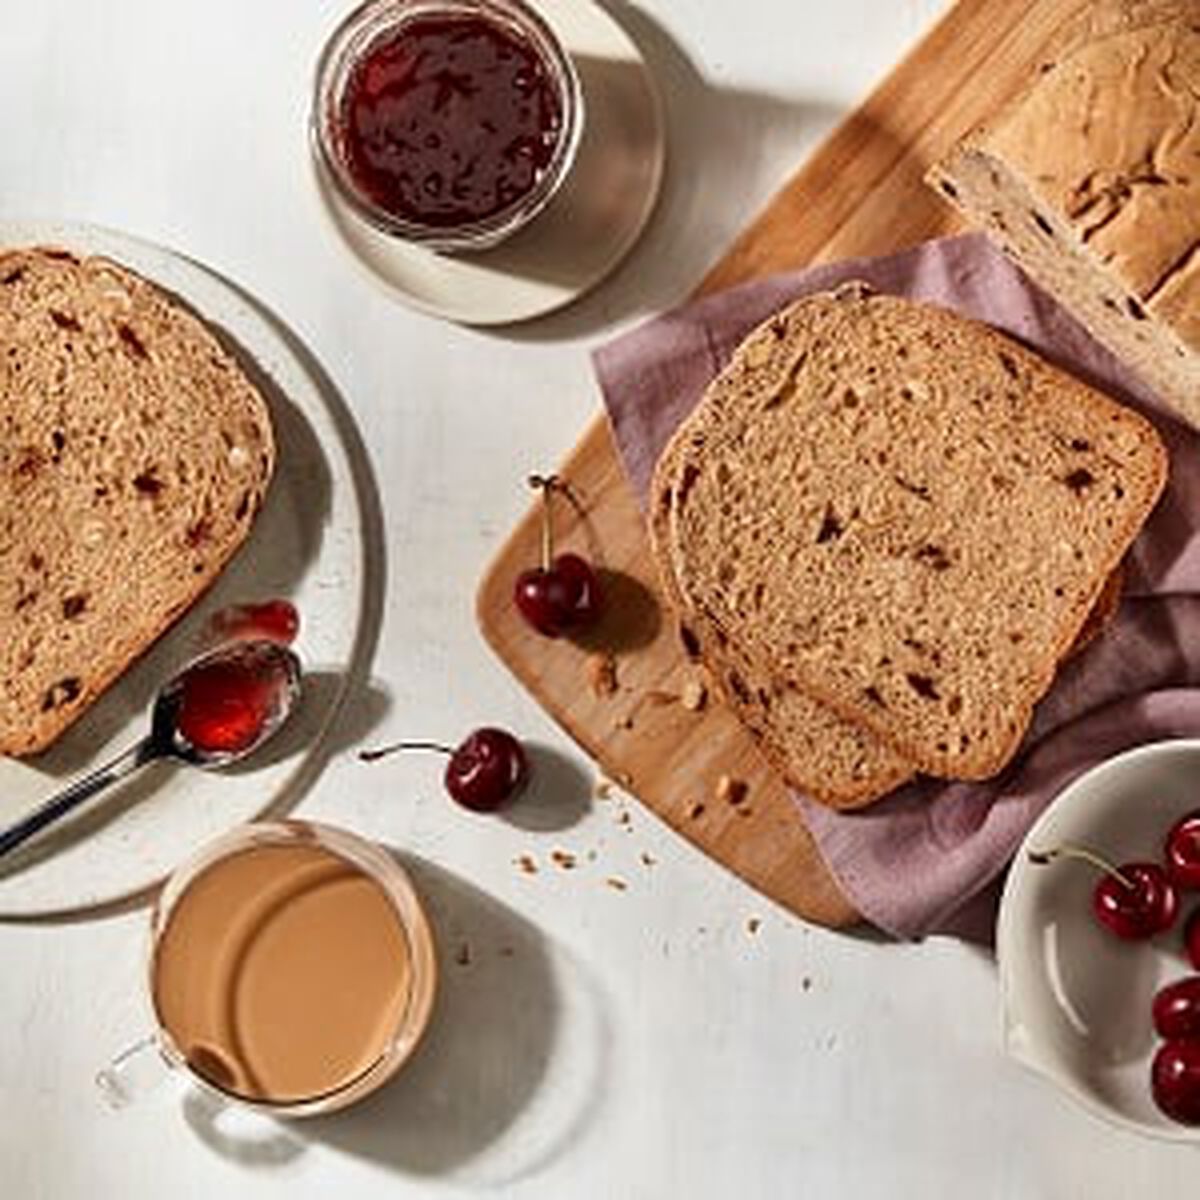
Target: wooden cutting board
(861,193)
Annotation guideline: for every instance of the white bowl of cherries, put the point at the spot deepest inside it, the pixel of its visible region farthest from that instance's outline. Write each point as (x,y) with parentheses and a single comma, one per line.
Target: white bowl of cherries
(1098,942)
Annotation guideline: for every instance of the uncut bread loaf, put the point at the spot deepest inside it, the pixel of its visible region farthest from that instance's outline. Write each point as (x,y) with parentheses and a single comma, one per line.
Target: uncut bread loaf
(135,456)
(1090,181)
(905,514)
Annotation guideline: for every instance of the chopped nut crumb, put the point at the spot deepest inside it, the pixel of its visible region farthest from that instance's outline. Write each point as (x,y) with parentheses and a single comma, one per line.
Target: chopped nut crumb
(526,863)
(695,696)
(463,955)
(563,858)
(616,884)
(731,791)
(602,674)
(696,811)
(604,788)
(753,925)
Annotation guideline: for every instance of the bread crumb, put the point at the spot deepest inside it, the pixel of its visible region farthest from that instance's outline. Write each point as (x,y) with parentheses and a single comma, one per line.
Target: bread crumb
(696,811)
(694,696)
(649,860)
(616,884)
(526,863)
(563,859)
(463,955)
(753,925)
(623,818)
(602,675)
(731,791)
(806,983)
(603,788)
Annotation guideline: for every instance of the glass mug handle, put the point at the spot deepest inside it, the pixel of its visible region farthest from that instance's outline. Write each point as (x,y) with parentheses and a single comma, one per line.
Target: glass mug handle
(136,1072)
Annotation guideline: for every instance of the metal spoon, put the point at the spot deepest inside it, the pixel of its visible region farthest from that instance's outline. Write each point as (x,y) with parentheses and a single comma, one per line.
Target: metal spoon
(266,660)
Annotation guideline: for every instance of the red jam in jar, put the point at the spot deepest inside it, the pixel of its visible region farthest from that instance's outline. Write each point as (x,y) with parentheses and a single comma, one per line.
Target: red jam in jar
(449,121)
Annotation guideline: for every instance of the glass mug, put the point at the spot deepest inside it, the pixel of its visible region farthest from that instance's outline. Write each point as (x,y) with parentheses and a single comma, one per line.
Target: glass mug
(291,969)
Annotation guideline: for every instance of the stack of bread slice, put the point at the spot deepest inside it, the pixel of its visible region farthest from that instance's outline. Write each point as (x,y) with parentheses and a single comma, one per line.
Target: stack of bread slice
(885,525)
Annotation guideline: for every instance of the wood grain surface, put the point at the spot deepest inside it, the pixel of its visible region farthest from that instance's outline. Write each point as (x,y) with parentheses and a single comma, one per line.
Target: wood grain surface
(860,193)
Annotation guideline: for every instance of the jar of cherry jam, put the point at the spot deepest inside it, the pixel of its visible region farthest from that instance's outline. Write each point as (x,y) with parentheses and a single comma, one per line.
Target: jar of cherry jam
(448,123)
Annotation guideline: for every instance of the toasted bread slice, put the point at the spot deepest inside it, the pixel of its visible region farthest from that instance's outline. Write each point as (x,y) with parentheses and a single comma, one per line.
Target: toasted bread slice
(135,456)
(907,515)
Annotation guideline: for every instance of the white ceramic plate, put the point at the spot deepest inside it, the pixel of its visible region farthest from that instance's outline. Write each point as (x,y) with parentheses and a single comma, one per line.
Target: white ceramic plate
(307,545)
(1076,998)
(586,230)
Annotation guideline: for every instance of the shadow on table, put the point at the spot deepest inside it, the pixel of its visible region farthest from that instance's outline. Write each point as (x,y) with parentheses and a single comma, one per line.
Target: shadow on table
(720,140)
(492,1059)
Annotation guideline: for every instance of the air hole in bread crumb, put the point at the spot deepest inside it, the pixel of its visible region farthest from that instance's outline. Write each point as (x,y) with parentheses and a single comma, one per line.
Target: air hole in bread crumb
(73,606)
(147,483)
(872,694)
(1079,480)
(14,276)
(36,561)
(949,189)
(61,693)
(1042,224)
(59,440)
(131,341)
(923,686)
(690,474)
(691,645)
(954,705)
(831,527)
(934,557)
(243,507)
(1136,311)
(1080,445)
(850,398)
(1010,365)
(65,320)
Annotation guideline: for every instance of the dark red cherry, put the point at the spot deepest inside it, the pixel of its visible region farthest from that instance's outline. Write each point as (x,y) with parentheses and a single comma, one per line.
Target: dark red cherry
(562,595)
(487,770)
(1135,900)
(561,600)
(1182,852)
(1191,939)
(1175,1080)
(1136,903)
(1177,1009)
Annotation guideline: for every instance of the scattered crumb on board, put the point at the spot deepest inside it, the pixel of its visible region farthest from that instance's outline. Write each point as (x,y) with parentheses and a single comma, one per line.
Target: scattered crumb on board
(602,674)
(731,791)
(463,955)
(616,883)
(526,864)
(563,858)
(753,925)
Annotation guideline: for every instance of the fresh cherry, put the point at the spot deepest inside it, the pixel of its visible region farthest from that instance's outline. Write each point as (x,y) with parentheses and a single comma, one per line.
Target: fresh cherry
(1182,852)
(1175,1080)
(563,594)
(1177,1009)
(1191,939)
(487,770)
(1135,900)
(484,773)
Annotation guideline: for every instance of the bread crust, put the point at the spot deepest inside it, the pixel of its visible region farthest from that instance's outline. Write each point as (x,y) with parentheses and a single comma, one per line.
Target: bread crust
(137,454)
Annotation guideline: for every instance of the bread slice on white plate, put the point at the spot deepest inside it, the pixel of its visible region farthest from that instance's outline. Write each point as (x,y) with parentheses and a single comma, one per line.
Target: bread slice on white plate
(134,458)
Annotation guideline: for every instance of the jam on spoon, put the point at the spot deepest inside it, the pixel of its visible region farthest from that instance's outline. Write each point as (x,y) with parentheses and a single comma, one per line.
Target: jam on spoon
(217,710)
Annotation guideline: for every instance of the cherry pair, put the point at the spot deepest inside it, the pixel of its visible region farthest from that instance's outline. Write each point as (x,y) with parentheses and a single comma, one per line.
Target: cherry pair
(1137,900)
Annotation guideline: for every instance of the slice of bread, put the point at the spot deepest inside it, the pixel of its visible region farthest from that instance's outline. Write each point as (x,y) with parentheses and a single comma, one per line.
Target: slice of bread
(907,515)
(832,760)
(135,456)
(829,759)
(1090,181)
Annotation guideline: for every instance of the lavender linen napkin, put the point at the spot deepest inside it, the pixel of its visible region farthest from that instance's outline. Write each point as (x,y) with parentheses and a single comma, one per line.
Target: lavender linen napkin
(910,862)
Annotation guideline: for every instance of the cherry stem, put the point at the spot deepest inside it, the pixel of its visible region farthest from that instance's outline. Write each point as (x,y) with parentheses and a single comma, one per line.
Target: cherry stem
(397,747)
(545,484)
(1041,858)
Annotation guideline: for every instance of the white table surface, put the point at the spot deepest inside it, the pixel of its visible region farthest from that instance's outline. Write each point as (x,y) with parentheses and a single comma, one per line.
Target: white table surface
(634,1044)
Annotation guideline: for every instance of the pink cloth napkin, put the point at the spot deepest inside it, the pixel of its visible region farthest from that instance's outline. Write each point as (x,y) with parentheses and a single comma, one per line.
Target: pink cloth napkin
(911,862)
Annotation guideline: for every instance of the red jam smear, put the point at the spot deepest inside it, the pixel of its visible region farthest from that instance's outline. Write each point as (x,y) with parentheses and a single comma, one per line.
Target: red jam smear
(224,706)
(450,120)
(271,621)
